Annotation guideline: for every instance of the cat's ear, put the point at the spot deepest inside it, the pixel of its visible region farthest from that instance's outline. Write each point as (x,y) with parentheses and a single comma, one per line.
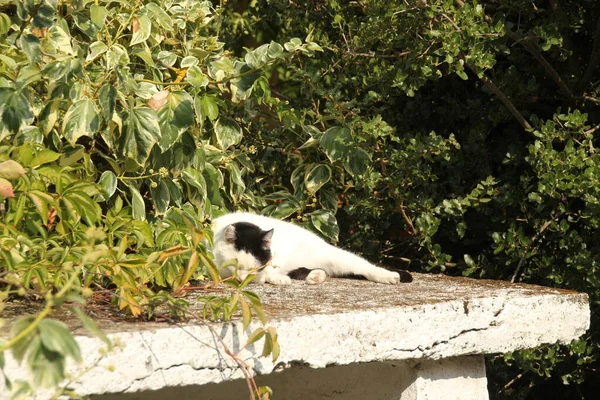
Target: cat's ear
(230,235)
(266,239)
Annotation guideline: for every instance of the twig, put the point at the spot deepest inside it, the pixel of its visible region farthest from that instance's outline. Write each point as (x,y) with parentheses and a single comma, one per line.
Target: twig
(511,382)
(412,231)
(251,383)
(374,55)
(534,239)
(502,97)
(452,22)
(532,48)
(590,98)
(592,130)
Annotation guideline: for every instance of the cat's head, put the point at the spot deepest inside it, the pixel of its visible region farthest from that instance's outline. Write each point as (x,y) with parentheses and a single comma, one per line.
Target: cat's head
(249,244)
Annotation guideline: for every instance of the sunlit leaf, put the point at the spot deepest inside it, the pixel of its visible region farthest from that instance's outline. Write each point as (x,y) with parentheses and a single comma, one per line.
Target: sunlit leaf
(81,119)
(324,221)
(11,169)
(337,143)
(175,117)
(227,132)
(142,130)
(316,177)
(137,204)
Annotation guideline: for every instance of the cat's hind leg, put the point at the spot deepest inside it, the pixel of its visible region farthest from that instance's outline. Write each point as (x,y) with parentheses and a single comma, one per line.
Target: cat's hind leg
(316,276)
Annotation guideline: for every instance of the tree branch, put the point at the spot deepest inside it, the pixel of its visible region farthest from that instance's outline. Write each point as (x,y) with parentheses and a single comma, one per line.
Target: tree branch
(532,48)
(374,55)
(592,64)
(532,244)
(502,97)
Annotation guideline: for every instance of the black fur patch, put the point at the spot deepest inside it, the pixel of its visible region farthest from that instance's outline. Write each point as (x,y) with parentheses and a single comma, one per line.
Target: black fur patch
(250,238)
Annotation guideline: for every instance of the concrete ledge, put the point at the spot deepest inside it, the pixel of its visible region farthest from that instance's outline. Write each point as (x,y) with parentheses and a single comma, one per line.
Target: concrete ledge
(341,322)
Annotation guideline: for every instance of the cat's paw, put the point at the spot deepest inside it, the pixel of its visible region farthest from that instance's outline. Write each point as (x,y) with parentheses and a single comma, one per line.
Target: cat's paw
(385,276)
(316,276)
(279,279)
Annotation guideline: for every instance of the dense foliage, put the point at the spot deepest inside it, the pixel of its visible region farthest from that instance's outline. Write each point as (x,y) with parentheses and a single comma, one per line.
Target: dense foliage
(440,135)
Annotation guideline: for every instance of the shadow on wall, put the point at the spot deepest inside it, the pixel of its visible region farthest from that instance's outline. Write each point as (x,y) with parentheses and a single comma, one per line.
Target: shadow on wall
(373,381)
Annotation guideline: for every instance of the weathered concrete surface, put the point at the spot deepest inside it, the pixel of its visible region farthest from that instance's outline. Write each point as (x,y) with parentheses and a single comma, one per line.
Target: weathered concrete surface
(340,322)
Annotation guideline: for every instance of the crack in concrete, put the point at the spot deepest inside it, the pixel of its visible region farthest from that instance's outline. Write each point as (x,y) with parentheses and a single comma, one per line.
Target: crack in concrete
(424,349)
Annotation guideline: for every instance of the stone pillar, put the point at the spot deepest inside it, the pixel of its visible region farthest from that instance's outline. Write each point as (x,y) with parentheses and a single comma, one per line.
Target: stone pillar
(457,378)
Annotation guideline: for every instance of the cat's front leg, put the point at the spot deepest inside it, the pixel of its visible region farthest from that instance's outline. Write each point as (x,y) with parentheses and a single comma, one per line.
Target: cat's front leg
(272,275)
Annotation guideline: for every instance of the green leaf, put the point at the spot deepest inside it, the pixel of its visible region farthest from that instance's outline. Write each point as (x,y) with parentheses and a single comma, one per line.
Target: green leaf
(81,119)
(285,209)
(241,87)
(107,96)
(108,183)
(137,204)
(255,336)
(44,18)
(71,155)
(48,116)
(227,132)
(31,47)
(357,163)
(90,325)
(337,143)
(293,44)
(20,348)
(194,178)
(196,77)
(98,15)
(11,170)
(28,75)
(236,184)
(96,49)
(175,117)
(325,222)
(142,130)
(41,202)
(16,109)
(143,233)
(117,56)
(214,183)
(246,313)
(44,156)
(4,23)
(275,50)
(167,57)
(318,176)
(206,107)
(141,27)
(56,337)
(160,16)
(534,197)
(61,39)
(55,70)
(189,62)
(161,197)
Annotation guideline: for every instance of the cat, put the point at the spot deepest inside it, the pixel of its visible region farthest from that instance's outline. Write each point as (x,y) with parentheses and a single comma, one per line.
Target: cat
(256,240)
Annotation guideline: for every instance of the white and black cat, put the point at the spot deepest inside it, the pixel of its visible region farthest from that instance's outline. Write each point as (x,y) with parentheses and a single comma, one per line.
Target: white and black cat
(256,240)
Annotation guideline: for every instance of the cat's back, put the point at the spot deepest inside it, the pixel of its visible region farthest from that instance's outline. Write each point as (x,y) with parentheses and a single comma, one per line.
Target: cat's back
(283,231)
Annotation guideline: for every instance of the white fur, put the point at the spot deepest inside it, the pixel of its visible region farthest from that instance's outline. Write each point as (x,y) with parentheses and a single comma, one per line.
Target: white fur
(292,247)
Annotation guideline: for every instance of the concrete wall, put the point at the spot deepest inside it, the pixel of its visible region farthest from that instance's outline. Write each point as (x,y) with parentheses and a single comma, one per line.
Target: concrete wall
(462,377)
